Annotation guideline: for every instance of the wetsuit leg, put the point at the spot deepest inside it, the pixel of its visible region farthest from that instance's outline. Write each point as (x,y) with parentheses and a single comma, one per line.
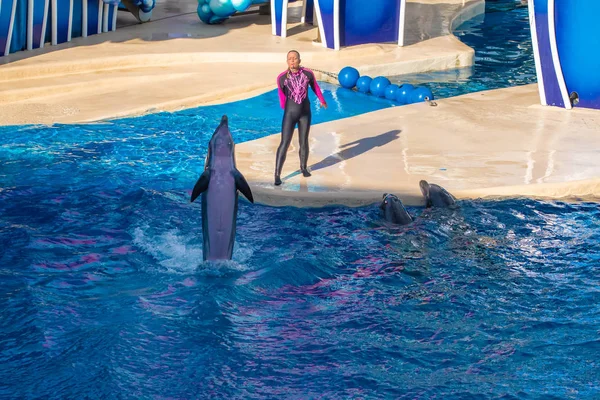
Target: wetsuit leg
(303,130)
(287,131)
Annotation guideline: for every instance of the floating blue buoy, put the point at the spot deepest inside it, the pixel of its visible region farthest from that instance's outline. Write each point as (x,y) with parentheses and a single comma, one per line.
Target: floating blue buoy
(378,86)
(348,77)
(420,94)
(363,84)
(403,93)
(391,91)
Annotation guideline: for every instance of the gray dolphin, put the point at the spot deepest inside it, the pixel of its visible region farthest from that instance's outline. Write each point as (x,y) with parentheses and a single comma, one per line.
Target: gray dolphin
(394,211)
(219,185)
(435,195)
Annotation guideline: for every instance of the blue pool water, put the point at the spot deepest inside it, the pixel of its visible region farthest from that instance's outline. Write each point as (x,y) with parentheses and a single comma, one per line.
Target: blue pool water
(158,151)
(103,293)
(503,53)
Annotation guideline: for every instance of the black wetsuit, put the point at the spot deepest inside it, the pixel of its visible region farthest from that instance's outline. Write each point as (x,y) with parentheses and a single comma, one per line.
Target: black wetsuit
(293,97)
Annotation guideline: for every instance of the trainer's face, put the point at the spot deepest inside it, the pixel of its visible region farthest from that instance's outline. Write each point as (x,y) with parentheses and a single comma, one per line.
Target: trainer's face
(293,60)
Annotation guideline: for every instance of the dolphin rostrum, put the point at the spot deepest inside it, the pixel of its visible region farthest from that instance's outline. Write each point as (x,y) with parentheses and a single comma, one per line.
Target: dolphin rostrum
(219,185)
(394,211)
(435,195)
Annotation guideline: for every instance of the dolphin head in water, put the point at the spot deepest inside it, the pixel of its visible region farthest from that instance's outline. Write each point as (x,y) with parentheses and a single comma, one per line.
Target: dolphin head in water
(393,210)
(435,195)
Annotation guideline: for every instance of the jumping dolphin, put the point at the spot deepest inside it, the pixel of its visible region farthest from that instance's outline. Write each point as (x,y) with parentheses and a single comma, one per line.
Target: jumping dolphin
(219,185)
(436,196)
(394,211)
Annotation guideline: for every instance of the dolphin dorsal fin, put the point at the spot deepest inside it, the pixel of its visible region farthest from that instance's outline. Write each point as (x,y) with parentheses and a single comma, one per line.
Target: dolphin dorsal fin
(201,184)
(426,190)
(242,185)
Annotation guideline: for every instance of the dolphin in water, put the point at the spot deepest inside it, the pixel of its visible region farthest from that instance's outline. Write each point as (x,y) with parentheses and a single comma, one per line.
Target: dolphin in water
(435,195)
(394,211)
(219,185)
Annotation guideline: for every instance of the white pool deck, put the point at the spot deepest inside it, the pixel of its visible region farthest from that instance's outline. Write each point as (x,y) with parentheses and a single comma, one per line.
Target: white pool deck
(178,62)
(492,144)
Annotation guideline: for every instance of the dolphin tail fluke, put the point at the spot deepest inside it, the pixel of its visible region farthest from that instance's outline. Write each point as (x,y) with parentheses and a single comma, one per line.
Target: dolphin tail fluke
(201,185)
(242,185)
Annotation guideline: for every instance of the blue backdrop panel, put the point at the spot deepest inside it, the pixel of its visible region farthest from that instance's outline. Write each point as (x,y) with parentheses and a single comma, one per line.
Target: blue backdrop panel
(40,13)
(93,17)
(326,9)
(309,15)
(5,17)
(76,28)
(111,12)
(375,21)
(578,42)
(550,81)
(62,20)
(19,33)
(278,15)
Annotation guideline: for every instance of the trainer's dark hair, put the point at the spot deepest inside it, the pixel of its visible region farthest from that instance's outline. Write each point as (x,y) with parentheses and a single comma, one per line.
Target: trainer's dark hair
(293,51)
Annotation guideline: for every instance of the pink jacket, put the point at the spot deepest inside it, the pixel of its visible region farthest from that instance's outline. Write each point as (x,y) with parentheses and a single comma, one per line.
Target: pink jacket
(294,86)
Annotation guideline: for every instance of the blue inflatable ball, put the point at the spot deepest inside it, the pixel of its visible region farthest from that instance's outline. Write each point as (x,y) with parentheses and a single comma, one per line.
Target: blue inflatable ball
(420,94)
(221,8)
(204,13)
(363,84)
(147,5)
(403,93)
(378,86)
(348,77)
(391,91)
(241,5)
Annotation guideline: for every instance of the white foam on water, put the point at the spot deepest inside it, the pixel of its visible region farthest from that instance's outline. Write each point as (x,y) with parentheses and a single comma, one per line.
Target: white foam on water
(182,254)
(174,251)
(222,267)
